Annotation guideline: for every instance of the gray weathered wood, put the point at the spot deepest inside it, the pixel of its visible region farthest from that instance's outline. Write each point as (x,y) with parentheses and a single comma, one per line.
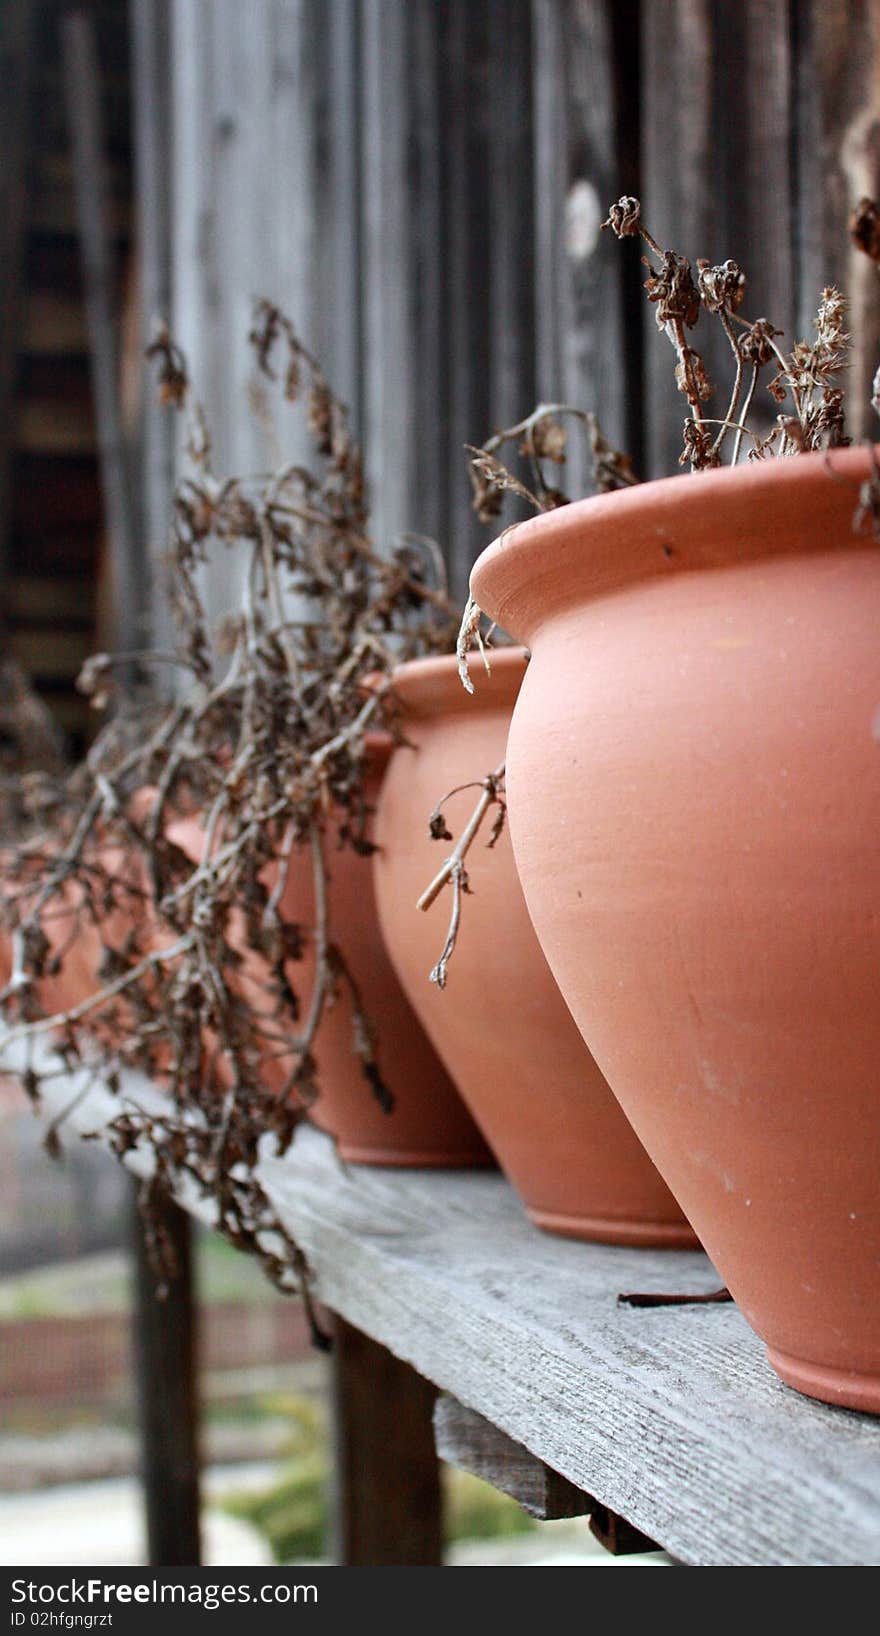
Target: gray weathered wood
(671,1417)
(468,1440)
(677,187)
(151,102)
(836,149)
(581,166)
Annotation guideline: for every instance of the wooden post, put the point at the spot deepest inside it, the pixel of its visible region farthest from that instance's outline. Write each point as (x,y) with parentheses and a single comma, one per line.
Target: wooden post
(165,1371)
(386,1500)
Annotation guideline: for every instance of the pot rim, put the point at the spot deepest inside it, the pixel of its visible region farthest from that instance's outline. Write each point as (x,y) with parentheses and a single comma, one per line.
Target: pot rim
(433,687)
(793,505)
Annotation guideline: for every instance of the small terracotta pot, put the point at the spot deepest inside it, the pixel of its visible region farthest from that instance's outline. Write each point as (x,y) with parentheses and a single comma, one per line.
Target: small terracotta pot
(694,787)
(77,942)
(500,1025)
(428,1124)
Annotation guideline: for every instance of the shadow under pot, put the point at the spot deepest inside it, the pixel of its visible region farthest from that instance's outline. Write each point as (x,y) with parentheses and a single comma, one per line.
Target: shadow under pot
(428,1124)
(501,1025)
(694,786)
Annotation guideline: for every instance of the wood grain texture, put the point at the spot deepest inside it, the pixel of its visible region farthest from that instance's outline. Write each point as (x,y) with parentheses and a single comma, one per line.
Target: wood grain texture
(670,1417)
(468,1440)
(581,166)
(836,157)
(151,108)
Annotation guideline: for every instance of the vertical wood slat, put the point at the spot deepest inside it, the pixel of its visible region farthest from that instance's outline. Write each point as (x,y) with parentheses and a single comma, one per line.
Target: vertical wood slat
(17,49)
(265,173)
(467,254)
(447,230)
(677,188)
(396,201)
(717,179)
(836,158)
(150,73)
(580,168)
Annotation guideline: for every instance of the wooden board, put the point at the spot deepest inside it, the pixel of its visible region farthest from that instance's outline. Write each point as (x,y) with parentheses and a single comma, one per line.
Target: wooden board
(670,1417)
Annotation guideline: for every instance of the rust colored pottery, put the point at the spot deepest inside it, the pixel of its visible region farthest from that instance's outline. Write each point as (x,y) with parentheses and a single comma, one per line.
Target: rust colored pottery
(694,787)
(428,1124)
(500,1025)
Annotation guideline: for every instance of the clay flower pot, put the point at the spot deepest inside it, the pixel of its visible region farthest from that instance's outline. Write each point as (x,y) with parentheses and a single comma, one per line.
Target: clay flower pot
(428,1124)
(500,1025)
(694,787)
(77,942)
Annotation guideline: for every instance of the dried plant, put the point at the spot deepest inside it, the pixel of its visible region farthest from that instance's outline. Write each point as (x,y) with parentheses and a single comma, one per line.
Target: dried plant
(187,968)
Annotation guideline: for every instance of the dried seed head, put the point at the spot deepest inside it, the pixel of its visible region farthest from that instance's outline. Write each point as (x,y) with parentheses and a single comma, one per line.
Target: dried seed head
(756,343)
(673,291)
(721,287)
(698,450)
(624,217)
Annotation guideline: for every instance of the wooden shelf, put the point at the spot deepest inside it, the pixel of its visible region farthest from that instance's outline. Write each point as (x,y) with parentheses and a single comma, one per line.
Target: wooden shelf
(670,1417)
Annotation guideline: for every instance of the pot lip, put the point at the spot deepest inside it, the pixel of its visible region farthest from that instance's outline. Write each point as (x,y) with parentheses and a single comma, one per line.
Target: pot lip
(433,686)
(711,519)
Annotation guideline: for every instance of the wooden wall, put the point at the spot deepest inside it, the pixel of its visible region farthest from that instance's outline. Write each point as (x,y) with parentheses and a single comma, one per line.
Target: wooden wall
(420,183)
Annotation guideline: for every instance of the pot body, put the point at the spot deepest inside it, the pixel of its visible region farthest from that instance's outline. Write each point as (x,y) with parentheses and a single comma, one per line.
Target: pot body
(501,1026)
(694,787)
(428,1124)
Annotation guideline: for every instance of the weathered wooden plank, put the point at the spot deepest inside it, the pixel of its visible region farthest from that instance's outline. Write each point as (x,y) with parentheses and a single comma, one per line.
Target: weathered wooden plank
(466,187)
(717,179)
(151,107)
(836,149)
(447,258)
(386,1491)
(751,176)
(678,188)
(671,1416)
(400,239)
(466,1439)
(256,140)
(585,157)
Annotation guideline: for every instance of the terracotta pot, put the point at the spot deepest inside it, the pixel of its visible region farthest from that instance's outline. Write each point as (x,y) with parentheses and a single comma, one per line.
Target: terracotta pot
(500,1025)
(78,942)
(694,785)
(428,1124)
